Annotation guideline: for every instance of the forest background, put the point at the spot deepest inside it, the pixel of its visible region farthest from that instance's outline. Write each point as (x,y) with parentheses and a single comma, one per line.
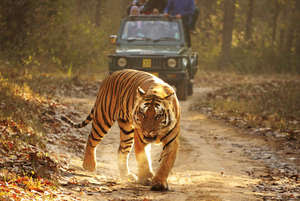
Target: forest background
(241,35)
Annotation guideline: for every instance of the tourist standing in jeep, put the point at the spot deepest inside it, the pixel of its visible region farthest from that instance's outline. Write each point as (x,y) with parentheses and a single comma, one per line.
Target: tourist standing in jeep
(155,4)
(183,9)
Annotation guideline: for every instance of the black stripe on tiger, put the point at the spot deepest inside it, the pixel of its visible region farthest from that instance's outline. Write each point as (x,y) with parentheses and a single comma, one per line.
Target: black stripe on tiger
(94,130)
(168,143)
(95,139)
(168,133)
(110,105)
(92,139)
(168,115)
(125,150)
(123,121)
(126,132)
(118,88)
(141,140)
(127,141)
(104,118)
(126,147)
(129,93)
(100,127)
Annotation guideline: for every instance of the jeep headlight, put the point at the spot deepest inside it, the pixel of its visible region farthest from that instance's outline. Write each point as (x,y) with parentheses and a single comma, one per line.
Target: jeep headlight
(172,63)
(122,62)
(184,61)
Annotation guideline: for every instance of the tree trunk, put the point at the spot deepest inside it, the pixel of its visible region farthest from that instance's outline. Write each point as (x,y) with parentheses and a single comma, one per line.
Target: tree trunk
(124,6)
(98,13)
(282,29)
(275,19)
(249,20)
(297,30)
(289,39)
(293,27)
(228,24)
(208,6)
(80,4)
(281,39)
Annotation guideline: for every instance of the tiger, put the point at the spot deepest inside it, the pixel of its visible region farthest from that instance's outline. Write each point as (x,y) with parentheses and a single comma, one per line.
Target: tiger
(147,111)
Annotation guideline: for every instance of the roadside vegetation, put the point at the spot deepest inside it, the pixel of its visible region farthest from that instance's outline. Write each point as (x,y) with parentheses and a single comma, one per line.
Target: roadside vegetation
(265,105)
(27,170)
(29,103)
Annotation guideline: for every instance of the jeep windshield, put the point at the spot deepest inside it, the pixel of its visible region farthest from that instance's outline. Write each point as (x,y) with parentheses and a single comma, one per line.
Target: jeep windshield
(151,30)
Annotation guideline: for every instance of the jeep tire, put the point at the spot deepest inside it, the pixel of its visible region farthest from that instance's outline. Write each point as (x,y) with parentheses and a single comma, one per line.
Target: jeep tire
(182,90)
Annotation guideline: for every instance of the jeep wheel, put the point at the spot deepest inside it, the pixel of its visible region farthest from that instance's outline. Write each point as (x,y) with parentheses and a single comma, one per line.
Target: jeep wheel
(190,88)
(182,91)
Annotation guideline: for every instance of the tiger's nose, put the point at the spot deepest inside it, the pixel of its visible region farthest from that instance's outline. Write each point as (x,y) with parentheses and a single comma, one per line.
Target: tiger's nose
(149,134)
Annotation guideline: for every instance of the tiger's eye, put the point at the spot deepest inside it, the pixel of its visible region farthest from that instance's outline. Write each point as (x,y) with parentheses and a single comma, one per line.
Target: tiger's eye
(141,114)
(157,117)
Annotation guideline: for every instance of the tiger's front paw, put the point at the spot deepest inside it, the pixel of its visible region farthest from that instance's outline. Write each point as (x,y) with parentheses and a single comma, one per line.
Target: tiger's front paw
(158,185)
(145,178)
(130,177)
(145,181)
(89,162)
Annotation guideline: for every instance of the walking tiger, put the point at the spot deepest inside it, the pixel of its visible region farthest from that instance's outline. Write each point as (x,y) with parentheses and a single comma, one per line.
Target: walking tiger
(147,111)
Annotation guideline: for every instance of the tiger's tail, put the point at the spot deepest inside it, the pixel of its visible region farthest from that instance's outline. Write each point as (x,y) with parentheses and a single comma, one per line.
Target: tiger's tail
(88,119)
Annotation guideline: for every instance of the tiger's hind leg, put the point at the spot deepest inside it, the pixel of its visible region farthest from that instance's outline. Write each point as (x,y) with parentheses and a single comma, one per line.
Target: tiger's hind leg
(96,135)
(142,154)
(126,142)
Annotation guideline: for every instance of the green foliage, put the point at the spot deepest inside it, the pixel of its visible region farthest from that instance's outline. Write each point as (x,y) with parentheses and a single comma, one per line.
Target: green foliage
(247,59)
(22,22)
(75,44)
(273,46)
(54,32)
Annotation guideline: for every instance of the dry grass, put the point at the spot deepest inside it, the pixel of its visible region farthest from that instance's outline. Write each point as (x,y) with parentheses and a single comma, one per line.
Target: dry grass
(256,102)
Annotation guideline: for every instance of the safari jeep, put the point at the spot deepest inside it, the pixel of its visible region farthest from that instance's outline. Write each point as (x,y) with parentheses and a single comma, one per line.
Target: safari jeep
(156,44)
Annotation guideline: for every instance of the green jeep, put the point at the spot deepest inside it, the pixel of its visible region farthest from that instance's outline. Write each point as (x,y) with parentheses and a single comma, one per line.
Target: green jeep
(156,44)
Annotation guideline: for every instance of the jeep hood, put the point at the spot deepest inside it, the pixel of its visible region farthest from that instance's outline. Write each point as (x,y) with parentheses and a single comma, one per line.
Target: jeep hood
(151,50)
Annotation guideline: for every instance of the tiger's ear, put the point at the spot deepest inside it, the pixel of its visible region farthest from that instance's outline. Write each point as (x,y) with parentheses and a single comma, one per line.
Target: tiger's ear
(168,96)
(141,91)
(168,92)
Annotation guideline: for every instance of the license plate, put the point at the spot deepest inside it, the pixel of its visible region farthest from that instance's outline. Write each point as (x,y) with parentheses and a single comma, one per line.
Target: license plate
(147,63)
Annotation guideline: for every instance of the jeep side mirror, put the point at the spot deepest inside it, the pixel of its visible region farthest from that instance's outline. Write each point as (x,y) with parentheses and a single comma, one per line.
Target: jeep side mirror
(113,39)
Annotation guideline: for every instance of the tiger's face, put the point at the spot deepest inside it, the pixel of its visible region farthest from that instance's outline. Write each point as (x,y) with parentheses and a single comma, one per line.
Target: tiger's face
(153,115)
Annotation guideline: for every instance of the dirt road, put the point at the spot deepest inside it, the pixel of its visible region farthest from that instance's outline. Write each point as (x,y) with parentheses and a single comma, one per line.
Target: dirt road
(215,162)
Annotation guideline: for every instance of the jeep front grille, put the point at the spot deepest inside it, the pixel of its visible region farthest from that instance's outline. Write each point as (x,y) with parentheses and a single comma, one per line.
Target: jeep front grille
(137,62)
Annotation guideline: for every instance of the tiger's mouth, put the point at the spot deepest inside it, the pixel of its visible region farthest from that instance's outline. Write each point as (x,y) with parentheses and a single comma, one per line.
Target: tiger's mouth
(150,139)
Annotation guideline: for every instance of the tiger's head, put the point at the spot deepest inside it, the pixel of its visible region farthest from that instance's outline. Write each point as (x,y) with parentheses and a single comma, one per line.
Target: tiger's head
(154,112)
